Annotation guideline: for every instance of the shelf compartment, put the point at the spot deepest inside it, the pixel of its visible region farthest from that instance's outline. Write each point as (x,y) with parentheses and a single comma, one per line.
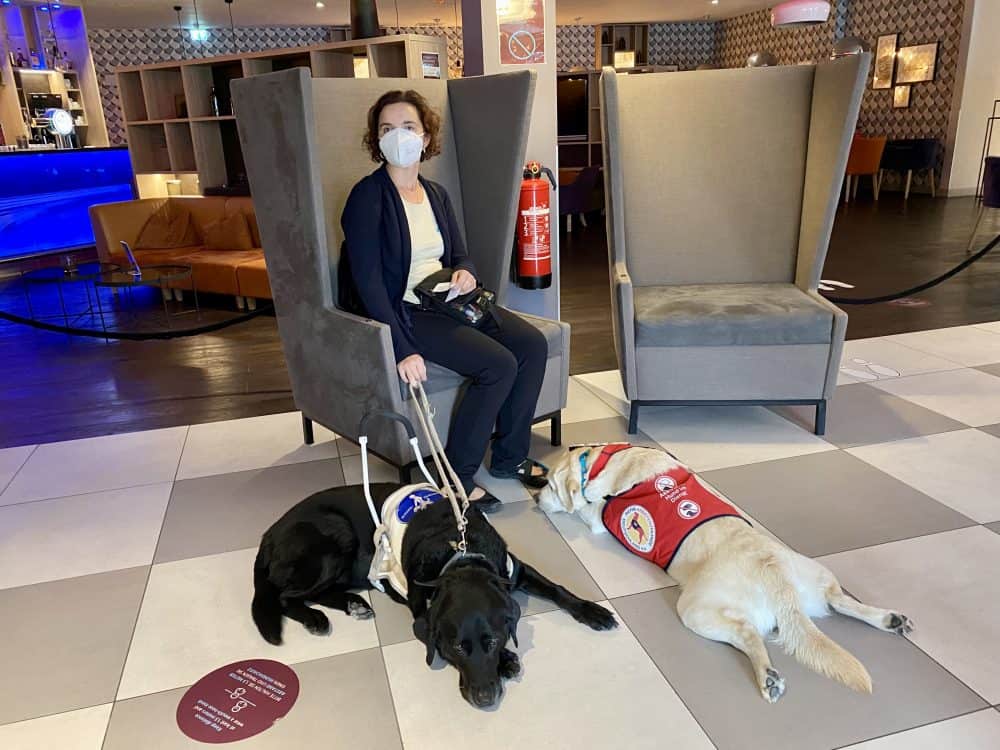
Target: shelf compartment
(332,63)
(163,90)
(148,146)
(387,60)
(180,146)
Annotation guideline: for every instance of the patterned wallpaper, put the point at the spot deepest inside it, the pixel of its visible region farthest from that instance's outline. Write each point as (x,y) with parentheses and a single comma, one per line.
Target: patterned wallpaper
(116,47)
(916,22)
(685,44)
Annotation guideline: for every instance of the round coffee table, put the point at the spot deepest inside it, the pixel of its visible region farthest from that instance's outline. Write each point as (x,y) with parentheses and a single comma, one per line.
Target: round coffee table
(152,276)
(61,275)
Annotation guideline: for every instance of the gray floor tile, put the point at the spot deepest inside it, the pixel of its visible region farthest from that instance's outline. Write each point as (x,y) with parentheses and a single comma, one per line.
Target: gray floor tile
(64,642)
(862,415)
(532,539)
(831,502)
(344,702)
(994,527)
(993,369)
(715,683)
(993,429)
(610,430)
(230,511)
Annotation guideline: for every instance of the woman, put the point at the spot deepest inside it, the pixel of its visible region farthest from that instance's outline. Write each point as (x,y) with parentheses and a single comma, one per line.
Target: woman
(400,229)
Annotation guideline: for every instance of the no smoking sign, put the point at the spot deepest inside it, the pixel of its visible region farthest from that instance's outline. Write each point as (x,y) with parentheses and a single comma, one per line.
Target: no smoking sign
(522,32)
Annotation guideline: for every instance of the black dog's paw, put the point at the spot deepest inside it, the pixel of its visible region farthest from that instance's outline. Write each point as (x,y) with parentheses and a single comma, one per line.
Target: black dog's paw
(594,616)
(272,636)
(358,608)
(510,665)
(317,623)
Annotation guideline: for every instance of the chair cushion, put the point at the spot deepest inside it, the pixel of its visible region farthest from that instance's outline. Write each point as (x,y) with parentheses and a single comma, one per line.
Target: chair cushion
(728,315)
(215,270)
(442,379)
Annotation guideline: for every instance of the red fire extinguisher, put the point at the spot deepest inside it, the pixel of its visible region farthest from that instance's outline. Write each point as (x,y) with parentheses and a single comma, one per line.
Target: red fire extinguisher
(534,229)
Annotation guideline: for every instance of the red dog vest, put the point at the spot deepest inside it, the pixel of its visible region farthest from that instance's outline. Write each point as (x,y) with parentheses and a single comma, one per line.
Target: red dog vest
(654,518)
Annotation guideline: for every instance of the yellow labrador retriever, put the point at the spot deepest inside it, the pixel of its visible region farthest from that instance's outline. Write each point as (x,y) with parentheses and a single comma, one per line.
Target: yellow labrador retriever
(739,585)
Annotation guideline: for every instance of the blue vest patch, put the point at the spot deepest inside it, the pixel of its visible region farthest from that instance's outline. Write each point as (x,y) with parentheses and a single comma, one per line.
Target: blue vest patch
(416,501)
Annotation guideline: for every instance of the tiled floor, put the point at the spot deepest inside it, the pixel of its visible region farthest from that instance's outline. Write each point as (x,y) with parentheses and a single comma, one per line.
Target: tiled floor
(125,575)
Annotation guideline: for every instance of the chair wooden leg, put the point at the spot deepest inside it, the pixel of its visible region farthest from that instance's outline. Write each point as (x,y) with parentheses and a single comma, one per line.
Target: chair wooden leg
(933,184)
(179,295)
(847,189)
(569,223)
(583,220)
(875,185)
(854,190)
(240,303)
(251,303)
(307,430)
(633,418)
(168,294)
(555,429)
(909,179)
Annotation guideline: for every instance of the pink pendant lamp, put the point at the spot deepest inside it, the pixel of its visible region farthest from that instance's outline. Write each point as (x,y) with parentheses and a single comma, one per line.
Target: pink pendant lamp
(800,13)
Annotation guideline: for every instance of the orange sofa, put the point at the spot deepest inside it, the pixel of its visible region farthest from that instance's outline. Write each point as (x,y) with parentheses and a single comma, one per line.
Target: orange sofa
(240,273)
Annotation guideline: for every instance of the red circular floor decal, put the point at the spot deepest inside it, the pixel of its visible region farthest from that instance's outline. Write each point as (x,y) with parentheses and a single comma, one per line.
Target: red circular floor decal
(237,701)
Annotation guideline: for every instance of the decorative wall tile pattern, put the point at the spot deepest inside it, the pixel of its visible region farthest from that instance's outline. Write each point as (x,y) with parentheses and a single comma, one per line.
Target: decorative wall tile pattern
(746,34)
(452,34)
(687,45)
(575,47)
(113,48)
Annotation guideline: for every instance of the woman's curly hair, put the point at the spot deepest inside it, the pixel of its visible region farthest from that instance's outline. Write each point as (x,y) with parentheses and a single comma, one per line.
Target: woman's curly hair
(429,119)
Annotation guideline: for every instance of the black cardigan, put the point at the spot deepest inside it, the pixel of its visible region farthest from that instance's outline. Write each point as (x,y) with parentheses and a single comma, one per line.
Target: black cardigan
(377,243)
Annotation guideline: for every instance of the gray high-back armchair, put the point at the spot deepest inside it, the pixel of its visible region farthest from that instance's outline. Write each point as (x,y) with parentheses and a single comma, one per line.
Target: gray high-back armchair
(301,142)
(722,187)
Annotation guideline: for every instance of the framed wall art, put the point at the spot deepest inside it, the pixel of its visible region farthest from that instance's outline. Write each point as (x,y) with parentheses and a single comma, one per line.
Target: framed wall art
(917,63)
(885,61)
(901,97)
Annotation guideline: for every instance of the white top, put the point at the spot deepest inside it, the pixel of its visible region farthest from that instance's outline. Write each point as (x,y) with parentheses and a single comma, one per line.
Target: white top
(426,245)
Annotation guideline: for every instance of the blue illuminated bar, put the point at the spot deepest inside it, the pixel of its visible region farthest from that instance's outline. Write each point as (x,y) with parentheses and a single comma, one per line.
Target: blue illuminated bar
(45,196)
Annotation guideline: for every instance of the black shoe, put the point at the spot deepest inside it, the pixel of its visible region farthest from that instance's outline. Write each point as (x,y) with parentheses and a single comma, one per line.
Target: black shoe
(487,503)
(523,473)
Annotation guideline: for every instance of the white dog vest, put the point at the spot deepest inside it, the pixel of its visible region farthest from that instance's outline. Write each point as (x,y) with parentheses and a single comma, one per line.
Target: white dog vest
(397,512)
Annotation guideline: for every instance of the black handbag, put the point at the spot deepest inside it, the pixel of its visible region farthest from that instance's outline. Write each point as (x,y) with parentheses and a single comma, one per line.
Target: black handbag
(472,308)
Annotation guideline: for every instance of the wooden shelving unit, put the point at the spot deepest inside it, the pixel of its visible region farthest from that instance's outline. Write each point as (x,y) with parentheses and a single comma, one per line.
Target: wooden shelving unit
(173,128)
(68,75)
(627,37)
(575,152)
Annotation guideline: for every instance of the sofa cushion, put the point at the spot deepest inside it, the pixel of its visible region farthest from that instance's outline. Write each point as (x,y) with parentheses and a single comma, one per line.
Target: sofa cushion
(729,315)
(245,206)
(228,233)
(215,270)
(253,280)
(159,257)
(169,227)
(442,379)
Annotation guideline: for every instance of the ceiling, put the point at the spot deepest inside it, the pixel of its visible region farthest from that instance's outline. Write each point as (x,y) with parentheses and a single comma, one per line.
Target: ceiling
(146,13)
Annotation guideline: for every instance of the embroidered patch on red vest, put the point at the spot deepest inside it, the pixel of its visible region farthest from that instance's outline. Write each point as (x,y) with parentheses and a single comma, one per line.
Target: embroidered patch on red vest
(654,518)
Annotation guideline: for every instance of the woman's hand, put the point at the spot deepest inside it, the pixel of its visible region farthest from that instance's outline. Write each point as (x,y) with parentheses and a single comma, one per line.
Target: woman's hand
(412,369)
(463,281)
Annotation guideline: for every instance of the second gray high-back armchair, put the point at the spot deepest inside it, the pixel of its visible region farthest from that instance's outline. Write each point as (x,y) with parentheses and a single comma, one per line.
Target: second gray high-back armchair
(722,187)
(301,141)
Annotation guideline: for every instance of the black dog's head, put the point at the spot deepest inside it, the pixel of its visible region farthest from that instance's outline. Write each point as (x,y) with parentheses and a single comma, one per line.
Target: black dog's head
(306,562)
(469,621)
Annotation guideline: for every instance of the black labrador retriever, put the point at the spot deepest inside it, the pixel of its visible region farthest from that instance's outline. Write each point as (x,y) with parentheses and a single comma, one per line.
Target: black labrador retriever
(463,606)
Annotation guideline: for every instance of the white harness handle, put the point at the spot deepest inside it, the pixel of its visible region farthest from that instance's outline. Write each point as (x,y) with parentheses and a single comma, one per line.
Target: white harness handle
(425,415)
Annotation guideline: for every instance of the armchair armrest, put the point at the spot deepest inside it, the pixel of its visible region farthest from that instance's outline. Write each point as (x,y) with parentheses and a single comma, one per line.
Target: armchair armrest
(837,336)
(623,327)
(564,334)
(114,222)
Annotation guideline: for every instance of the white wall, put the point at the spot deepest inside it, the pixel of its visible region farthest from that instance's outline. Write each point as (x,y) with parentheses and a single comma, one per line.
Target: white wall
(980,87)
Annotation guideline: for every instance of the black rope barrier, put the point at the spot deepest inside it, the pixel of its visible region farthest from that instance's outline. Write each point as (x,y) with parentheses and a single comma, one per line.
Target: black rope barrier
(135,336)
(922,287)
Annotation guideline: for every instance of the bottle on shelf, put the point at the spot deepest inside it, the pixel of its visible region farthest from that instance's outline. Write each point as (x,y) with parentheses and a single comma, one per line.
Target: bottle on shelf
(67,64)
(36,61)
(213,99)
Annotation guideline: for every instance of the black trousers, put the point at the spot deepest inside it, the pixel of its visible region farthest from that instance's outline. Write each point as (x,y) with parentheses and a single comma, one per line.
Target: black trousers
(506,364)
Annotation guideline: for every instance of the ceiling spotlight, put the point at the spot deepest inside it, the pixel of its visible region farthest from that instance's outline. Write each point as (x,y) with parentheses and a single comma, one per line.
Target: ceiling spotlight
(800,13)
(715,2)
(6,2)
(320,4)
(43,8)
(56,6)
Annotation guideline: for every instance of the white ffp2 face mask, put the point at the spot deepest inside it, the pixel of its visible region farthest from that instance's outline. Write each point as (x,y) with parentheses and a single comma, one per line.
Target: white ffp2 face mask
(401,147)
